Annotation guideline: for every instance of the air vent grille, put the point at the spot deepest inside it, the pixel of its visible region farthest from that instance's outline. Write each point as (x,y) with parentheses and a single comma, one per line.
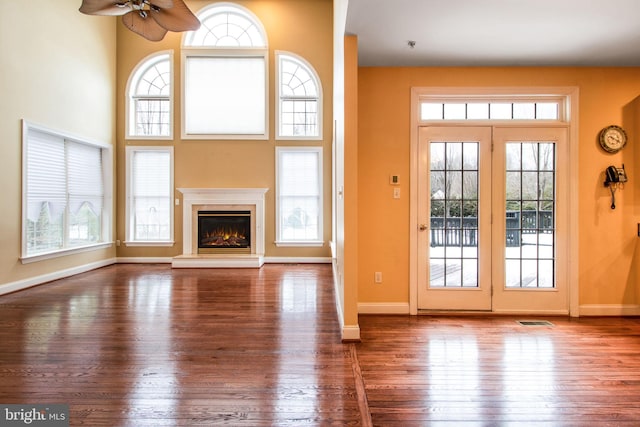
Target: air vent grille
(535,323)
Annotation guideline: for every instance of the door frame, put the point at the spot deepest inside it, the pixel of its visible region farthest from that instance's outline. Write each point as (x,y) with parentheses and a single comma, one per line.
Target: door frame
(570,97)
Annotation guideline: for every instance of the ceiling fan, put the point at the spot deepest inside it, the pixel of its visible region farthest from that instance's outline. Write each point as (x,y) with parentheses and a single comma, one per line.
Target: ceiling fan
(151,19)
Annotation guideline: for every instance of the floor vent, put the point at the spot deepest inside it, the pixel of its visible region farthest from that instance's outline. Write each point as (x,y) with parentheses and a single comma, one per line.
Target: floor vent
(534,323)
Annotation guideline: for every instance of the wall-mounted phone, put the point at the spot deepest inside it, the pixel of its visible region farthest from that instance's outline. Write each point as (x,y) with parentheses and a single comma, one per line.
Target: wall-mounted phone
(614,178)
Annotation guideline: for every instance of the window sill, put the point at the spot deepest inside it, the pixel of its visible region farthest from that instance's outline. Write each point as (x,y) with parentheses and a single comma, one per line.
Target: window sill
(27,259)
(164,243)
(301,244)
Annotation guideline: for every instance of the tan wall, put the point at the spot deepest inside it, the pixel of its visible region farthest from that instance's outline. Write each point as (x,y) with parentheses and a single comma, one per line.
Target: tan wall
(57,69)
(608,240)
(300,27)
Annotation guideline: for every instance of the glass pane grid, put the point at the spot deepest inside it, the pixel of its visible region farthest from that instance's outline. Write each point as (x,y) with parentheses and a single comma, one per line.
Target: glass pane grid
(299,118)
(530,215)
(489,110)
(152,117)
(454,214)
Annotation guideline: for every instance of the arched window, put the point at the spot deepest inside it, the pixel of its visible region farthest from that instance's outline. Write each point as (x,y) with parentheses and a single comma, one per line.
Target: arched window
(150,103)
(225,76)
(299,112)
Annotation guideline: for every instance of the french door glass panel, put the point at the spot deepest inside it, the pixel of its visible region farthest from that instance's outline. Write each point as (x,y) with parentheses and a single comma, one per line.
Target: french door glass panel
(530,215)
(453,256)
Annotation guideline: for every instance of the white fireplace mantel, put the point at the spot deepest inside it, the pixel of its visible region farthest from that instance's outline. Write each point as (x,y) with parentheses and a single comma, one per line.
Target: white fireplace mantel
(209,198)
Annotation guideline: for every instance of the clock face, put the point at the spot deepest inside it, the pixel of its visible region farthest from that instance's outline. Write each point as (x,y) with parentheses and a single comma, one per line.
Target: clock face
(613,138)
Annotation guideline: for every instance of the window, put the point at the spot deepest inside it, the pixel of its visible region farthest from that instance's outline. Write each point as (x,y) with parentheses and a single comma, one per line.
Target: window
(537,109)
(225,76)
(150,105)
(300,102)
(299,196)
(64,199)
(149,196)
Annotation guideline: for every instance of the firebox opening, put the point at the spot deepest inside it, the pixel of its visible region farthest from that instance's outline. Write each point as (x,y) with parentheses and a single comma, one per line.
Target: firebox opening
(224,232)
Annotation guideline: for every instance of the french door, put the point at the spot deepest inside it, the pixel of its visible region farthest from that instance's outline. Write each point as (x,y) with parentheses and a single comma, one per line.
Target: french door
(492,219)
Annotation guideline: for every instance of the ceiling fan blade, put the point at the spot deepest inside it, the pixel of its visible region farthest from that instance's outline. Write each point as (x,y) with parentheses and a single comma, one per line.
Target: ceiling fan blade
(103,7)
(163,4)
(146,27)
(177,18)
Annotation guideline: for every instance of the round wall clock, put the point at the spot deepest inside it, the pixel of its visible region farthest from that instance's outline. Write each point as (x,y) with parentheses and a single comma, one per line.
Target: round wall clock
(612,139)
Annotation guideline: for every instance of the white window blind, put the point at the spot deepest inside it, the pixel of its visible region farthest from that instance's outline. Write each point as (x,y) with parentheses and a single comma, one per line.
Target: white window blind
(63,192)
(150,189)
(299,195)
(225,95)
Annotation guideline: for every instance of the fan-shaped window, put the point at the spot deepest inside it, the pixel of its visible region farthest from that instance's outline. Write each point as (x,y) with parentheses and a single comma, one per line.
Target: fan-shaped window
(225,76)
(227,25)
(150,99)
(300,100)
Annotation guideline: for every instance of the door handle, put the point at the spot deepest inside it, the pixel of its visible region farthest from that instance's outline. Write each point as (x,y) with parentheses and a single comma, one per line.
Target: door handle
(423,227)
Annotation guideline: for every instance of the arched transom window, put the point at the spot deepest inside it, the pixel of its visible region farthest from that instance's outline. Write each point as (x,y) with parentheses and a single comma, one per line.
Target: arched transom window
(225,75)
(227,26)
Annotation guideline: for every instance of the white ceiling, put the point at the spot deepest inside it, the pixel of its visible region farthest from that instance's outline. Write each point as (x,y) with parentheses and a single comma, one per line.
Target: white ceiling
(496,32)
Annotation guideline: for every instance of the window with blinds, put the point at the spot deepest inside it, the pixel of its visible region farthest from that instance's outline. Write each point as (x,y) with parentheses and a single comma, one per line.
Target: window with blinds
(149,195)
(299,196)
(225,75)
(64,192)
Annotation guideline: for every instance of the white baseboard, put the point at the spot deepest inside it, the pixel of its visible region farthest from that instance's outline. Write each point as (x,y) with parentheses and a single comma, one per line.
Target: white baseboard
(267,260)
(350,333)
(536,313)
(20,285)
(297,260)
(144,260)
(610,310)
(383,308)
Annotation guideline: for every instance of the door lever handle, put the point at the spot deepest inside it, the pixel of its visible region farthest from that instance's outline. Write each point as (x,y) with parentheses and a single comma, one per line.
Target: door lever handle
(423,227)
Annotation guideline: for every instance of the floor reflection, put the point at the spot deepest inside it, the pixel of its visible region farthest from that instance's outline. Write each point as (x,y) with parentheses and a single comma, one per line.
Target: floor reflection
(296,384)
(529,380)
(454,375)
(149,299)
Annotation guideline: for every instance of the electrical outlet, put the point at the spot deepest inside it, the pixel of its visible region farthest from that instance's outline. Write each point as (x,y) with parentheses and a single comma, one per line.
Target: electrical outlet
(377,277)
(396,193)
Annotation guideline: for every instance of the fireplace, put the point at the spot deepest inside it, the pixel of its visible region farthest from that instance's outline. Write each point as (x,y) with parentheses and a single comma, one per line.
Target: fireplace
(224,232)
(217,246)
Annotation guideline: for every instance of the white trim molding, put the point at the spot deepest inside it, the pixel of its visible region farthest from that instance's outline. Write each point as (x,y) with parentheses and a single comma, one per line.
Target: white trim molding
(20,285)
(383,308)
(609,310)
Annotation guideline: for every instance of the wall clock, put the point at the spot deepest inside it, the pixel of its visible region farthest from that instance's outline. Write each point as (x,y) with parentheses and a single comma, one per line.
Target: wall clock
(612,139)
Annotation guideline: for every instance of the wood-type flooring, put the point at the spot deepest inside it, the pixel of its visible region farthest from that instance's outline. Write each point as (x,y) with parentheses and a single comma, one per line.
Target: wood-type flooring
(147,345)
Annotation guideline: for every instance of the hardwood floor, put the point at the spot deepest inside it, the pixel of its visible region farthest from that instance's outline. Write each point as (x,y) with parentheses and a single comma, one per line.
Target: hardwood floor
(147,345)
(151,346)
(491,371)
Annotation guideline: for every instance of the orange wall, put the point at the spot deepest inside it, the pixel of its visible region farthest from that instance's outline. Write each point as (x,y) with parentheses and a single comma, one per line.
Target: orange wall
(607,239)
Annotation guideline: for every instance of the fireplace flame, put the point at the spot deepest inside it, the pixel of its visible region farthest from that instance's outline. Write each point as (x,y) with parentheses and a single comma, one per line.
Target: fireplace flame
(225,236)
